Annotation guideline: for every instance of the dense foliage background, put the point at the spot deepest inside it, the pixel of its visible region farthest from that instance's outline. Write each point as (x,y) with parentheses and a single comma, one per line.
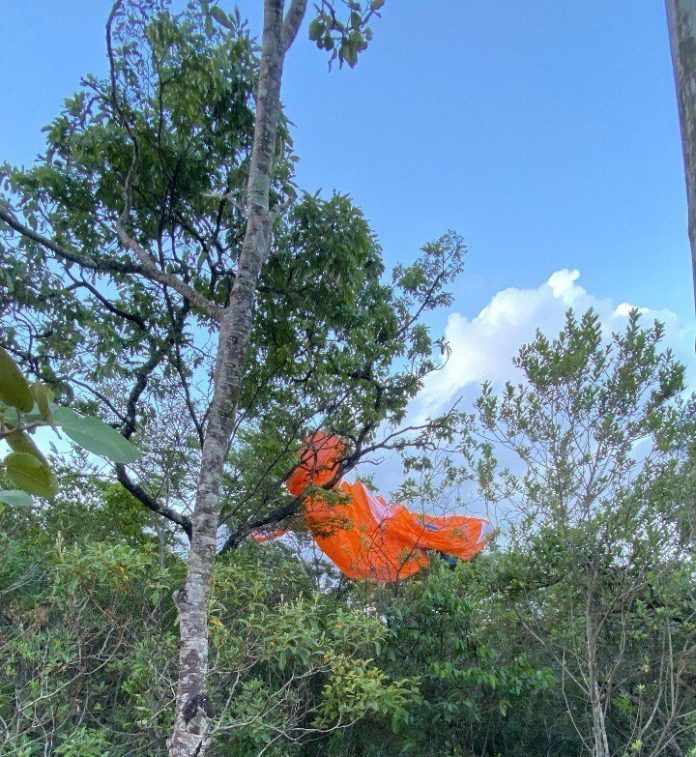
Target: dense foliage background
(582,616)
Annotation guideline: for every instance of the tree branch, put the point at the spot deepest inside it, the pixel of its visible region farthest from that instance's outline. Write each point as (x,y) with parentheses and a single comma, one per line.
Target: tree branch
(151,270)
(150,502)
(66,253)
(148,267)
(293,21)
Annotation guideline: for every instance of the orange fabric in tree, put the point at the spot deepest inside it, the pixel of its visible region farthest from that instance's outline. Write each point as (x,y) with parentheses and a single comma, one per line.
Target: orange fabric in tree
(364,536)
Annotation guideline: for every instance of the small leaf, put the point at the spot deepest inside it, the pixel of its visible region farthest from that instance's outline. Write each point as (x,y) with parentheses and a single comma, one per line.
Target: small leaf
(43,396)
(14,388)
(96,436)
(316,29)
(375,5)
(201,261)
(15,498)
(10,416)
(221,17)
(31,475)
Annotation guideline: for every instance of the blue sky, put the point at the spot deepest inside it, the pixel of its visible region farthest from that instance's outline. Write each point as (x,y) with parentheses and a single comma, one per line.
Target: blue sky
(545,131)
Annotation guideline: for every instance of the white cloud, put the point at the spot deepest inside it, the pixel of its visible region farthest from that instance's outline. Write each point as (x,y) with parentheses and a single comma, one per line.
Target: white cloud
(483,346)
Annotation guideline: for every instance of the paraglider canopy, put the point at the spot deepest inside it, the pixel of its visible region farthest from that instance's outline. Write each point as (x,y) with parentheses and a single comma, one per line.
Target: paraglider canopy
(363,535)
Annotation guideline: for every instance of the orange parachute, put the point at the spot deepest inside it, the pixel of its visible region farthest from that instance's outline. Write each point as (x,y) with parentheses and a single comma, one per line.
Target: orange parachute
(364,536)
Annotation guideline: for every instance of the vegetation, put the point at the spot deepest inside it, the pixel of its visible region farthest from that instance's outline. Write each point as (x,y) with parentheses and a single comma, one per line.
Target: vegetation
(576,632)
(163,271)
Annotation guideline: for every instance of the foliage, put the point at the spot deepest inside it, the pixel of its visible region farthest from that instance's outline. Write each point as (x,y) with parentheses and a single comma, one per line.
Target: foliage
(25,407)
(344,40)
(488,657)
(335,341)
(88,639)
(599,474)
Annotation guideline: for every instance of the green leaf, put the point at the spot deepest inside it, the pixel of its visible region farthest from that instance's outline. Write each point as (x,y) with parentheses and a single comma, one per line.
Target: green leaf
(10,416)
(20,441)
(316,29)
(201,261)
(221,17)
(43,396)
(31,475)
(375,5)
(96,436)
(16,498)
(14,388)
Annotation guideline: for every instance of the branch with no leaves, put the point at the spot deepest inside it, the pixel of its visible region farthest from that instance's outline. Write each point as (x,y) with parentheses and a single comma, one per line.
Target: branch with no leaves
(151,503)
(152,271)
(293,20)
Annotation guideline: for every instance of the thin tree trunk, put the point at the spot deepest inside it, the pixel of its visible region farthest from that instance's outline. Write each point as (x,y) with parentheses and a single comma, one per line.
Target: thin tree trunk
(193,708)
(599,729)
(600,743)
(681,21)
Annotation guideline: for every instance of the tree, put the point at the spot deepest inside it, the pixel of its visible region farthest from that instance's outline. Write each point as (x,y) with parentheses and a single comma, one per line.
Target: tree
(598,477)
(161,232)
(681,22)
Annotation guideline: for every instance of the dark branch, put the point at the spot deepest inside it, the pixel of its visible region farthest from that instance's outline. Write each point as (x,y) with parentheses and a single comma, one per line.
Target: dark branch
(151,503)
(132,317)
(142,377)
(69,254)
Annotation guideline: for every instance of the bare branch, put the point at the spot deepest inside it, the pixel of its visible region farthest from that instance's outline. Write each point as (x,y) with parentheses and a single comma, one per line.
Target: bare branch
(293,21)
(150,502)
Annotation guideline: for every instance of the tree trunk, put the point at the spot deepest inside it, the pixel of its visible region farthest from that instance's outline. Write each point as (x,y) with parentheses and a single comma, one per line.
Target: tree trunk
(193,708)
(681,21)
(599,729)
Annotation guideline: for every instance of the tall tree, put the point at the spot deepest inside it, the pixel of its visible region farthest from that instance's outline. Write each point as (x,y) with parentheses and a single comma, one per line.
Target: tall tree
(160,233)
(681,22)
(599,474)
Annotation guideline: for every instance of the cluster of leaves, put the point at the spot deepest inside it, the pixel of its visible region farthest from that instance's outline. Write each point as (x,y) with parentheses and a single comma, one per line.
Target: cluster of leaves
(25,407)
(344,40)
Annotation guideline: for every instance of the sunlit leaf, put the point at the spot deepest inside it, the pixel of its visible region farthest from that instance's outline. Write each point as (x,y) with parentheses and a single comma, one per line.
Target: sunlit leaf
(15,498)
(20,441)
